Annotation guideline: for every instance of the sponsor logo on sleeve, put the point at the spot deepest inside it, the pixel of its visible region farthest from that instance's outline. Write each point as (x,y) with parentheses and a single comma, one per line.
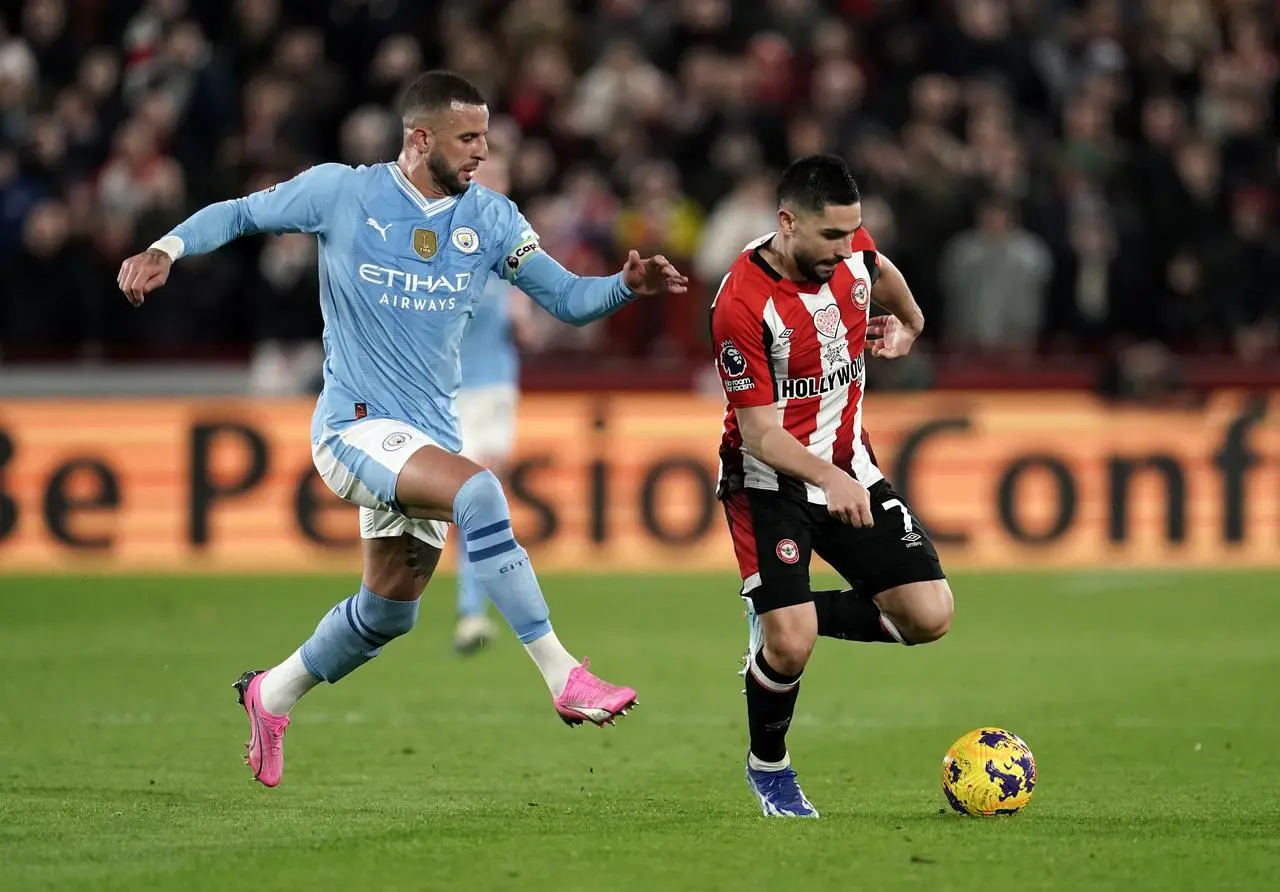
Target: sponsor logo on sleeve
(520,256)
(732,361)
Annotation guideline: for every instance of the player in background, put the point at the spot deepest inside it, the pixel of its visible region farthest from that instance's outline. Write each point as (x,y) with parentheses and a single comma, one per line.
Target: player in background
(487,402)
(405,252)
(789,327)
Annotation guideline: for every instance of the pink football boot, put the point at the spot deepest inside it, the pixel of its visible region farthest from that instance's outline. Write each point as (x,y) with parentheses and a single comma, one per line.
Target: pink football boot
(586,698)
(264,750)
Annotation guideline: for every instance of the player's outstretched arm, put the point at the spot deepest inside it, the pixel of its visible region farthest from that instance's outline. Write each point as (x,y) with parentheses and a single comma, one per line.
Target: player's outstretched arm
(769,441)
(582,299)
(298,205)
(892,336)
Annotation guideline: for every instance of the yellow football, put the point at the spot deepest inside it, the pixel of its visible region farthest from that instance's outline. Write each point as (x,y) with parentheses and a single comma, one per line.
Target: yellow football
(988,772)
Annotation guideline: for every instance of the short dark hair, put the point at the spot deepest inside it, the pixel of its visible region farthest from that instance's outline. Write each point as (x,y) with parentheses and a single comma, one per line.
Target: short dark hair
(436,90)
(813,182)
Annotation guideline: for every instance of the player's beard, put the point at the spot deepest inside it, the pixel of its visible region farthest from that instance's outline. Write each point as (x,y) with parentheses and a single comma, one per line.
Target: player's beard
(807,265)
(447,178)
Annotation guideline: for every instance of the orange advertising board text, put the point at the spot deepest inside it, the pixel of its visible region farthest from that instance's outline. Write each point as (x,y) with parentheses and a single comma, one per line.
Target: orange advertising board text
(626,482)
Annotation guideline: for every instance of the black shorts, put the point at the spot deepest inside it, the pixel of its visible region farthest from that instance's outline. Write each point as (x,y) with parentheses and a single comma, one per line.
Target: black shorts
(774,537)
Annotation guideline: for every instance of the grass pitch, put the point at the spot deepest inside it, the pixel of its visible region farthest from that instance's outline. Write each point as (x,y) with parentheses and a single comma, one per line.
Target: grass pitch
(1151,702)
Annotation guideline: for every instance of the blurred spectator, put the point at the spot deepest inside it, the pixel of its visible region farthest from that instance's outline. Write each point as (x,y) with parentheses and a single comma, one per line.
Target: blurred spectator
(1246,276)
(47,275)
(745,214)
(996,278)
(621,86)
(1120,157)
(370,134)
(287,357)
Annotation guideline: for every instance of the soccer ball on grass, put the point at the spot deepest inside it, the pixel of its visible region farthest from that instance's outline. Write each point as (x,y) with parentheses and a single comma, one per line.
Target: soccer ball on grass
(988,772)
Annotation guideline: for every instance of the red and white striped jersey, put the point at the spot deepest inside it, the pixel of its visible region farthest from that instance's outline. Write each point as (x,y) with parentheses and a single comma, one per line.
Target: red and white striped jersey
(798,346)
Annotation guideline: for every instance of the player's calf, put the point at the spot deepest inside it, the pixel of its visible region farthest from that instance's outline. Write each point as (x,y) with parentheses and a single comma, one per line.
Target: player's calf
(434,483)
(772,687)
(501,567)
(347,637)
(498,563)
(354,632)
(916,613)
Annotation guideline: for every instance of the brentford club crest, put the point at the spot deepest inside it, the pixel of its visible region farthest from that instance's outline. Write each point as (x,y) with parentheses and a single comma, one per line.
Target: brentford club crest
(788,552)
(861,294)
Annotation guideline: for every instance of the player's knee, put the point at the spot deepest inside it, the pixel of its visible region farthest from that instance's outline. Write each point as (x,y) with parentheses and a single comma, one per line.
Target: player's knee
(930,629)
(480,500)
(788,650)
(929,617)
(789,637)
(400,626)
(384,615)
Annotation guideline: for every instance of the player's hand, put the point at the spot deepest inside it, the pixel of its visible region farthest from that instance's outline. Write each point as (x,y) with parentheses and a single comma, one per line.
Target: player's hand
(143,273)
(651,276)
(888,338)
(847,500)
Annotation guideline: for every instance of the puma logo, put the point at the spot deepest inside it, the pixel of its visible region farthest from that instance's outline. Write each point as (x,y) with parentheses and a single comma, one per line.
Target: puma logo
(382,230)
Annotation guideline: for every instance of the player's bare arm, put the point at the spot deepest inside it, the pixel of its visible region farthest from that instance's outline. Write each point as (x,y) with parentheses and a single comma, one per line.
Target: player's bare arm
(767,440)
(891,336)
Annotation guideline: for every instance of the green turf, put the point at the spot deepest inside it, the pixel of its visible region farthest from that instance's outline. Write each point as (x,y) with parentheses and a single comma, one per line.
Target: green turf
(1151,702)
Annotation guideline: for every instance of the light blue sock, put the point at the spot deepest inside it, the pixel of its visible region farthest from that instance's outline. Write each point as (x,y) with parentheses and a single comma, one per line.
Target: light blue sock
(354,632)
(500,565)
(471,596)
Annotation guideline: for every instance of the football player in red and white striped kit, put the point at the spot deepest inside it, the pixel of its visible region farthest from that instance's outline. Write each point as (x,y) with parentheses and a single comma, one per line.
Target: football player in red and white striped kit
(789,327)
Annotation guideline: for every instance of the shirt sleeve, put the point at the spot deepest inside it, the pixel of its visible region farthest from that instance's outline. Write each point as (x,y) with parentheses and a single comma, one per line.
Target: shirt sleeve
(297,205)
(741,340)
(862,241)
(575,299)
(519,243)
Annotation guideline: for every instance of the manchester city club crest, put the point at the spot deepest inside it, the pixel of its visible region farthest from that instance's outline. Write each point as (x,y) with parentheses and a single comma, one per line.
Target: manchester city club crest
(465,239)
(424,243)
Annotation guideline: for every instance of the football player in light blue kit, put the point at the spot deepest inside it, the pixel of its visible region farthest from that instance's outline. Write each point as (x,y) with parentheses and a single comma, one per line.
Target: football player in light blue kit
(487,401)
(405,251)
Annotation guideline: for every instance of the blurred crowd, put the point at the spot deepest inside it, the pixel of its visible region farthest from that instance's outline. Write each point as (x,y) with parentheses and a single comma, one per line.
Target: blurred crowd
(1052,175)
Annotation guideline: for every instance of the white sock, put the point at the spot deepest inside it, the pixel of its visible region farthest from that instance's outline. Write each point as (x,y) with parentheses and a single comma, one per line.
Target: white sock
(553,661)
(761,765)
(283,686)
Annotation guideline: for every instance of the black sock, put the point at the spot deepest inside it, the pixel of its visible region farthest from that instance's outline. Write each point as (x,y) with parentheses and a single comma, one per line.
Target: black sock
(771,701)
(851,617)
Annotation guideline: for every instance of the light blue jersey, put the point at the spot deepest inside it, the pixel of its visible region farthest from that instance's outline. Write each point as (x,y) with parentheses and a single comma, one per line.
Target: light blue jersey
(400,276)
(489,355)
